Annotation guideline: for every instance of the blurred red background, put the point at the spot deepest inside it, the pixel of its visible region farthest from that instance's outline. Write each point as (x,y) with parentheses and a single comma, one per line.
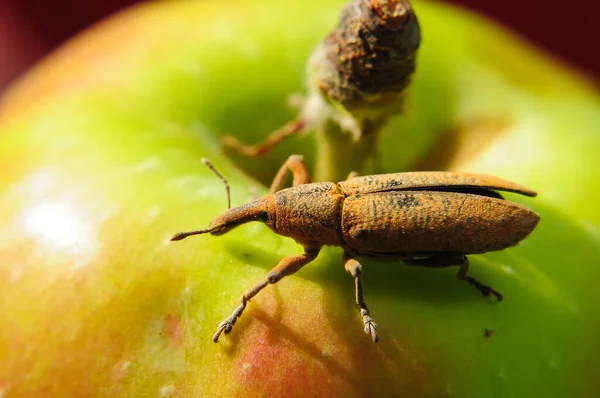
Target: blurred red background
(31,28)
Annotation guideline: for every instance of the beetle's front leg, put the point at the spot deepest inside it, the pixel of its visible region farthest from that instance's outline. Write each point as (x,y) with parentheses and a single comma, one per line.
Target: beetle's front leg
(354,268)
(295,164)
(287,266)
(290,129)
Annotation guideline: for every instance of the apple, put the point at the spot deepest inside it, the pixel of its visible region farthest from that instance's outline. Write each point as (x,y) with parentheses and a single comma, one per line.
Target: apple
(99,150)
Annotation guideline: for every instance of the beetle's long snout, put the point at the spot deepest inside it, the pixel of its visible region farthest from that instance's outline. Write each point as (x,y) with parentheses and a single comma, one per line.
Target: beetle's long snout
(221,225)
(225,222)
(183,235)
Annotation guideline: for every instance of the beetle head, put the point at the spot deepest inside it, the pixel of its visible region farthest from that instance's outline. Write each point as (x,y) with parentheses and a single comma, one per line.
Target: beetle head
(230,219)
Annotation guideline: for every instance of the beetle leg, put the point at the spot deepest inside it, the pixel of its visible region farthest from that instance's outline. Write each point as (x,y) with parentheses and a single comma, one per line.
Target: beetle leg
(484,289)
(295,164)
(287,266)
(261,149)
(446,260)
(354,268)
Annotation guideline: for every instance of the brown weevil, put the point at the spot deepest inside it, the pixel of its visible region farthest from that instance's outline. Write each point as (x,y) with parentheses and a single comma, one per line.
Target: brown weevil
(429,219)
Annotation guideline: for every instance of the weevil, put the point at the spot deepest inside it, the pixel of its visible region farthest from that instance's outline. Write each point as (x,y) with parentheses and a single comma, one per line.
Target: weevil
(429,219)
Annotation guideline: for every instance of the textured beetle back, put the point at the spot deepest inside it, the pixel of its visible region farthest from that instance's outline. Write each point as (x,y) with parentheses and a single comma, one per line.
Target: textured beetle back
(413,222)
(429,180)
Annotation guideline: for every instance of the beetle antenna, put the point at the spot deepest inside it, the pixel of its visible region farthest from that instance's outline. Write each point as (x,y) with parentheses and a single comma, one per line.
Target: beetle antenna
(183,235)
(214,170)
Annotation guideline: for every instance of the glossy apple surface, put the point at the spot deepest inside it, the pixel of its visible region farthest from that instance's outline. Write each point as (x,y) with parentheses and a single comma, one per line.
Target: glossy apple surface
(99,152)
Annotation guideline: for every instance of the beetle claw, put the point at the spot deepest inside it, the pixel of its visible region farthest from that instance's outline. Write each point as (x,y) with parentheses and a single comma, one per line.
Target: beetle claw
(227,324)
(371,329)
(217,334)
(495,294)
(224,327)
(484,289)
(370,325)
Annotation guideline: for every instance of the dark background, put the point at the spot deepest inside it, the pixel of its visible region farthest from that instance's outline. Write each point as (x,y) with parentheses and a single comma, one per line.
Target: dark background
(31,28)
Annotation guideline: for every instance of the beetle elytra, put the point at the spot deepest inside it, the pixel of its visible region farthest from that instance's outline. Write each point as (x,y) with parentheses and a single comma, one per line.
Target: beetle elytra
(430,219)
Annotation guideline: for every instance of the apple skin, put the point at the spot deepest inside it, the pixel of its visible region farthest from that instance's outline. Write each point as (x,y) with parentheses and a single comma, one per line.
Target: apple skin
(99,147)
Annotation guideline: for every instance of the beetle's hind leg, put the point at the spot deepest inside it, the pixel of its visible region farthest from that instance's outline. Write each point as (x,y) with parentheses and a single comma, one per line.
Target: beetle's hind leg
(484,289)
(354,268)
(445,260)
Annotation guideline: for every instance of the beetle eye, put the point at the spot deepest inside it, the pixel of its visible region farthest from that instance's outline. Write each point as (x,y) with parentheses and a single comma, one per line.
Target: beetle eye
(262,216)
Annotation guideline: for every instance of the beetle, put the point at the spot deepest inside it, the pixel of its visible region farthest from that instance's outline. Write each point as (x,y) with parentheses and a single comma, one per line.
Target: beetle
(429,219)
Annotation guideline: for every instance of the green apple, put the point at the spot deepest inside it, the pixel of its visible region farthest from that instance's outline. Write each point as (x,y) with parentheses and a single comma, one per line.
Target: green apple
(99,150)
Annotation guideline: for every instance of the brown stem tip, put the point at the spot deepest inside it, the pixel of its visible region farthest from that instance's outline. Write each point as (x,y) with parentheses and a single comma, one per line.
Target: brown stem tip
(394,12)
